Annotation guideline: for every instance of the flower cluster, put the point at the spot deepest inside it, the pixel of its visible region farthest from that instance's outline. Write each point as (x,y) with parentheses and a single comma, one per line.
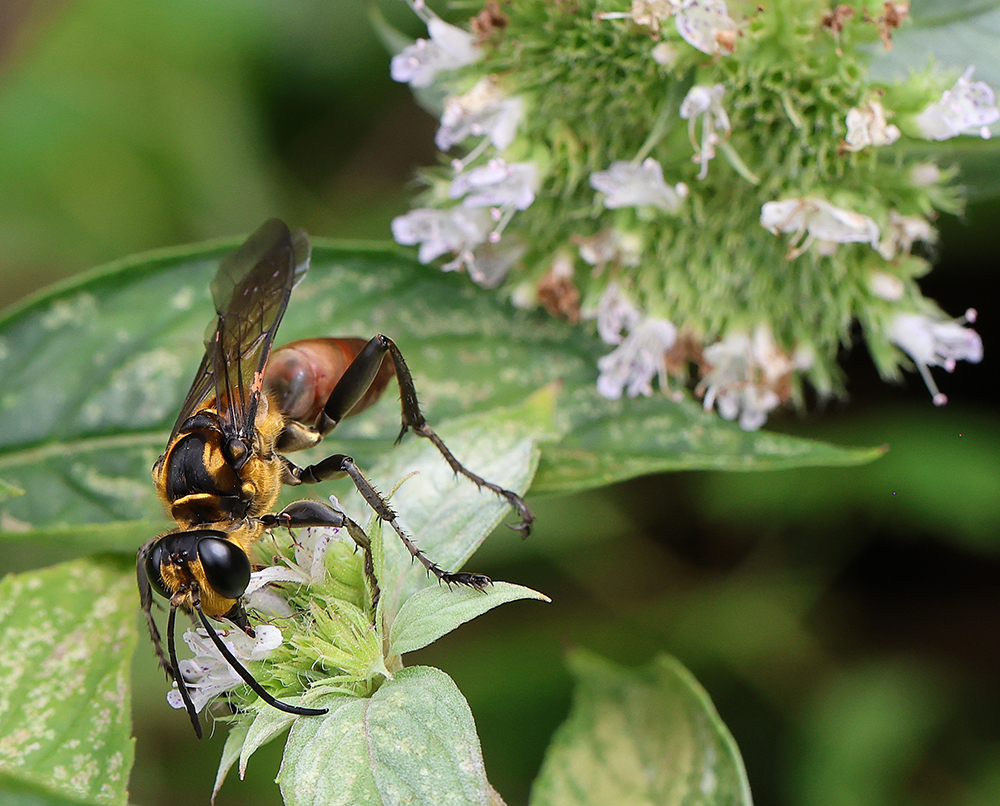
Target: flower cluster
(717,187)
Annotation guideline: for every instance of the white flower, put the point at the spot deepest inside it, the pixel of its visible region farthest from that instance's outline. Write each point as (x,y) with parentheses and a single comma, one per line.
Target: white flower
(867,126)
(447,49)
(932,342)
(489,263)
(706,25)
(615,314)
(903,232)
(637,360)
(626,184)
(705,102)
(746,377)
(497,184)
(967,108)
(811,219)
(208,674)
(483,111)
(440,232)
(703,24)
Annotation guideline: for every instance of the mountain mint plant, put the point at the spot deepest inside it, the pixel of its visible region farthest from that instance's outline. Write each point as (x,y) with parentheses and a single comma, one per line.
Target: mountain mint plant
(718,189)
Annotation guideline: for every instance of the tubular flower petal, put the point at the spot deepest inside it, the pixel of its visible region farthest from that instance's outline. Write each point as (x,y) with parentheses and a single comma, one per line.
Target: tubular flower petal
(626,184)
(932,342)
(811,219)
(638,359)
(969,107)
(483,111)
(440,232)
(447,49)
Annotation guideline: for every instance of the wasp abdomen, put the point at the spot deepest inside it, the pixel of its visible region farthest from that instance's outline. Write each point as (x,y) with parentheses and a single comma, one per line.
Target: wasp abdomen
(301,375)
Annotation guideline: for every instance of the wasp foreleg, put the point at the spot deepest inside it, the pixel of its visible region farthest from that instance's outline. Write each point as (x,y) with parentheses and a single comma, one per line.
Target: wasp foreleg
(301,514)
(146,601)
(339,465)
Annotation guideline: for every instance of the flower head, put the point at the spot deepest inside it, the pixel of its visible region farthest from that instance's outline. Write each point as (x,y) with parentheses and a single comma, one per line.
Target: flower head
(969,107)
(572,186)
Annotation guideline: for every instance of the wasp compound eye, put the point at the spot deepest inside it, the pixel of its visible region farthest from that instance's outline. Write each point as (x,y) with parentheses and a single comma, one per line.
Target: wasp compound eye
(153,560)
(226,566)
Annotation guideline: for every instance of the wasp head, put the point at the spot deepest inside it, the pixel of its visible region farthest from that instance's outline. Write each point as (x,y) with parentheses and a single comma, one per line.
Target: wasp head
(199,563)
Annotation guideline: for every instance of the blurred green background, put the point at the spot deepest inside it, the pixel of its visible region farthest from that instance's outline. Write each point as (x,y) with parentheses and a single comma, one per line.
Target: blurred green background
(846,622)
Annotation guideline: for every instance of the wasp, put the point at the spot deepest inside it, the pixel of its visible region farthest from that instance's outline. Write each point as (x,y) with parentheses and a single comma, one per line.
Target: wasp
(224,463)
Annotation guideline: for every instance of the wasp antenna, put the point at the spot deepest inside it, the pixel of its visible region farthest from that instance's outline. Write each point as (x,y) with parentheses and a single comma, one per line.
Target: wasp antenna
(248,678)
(175,671)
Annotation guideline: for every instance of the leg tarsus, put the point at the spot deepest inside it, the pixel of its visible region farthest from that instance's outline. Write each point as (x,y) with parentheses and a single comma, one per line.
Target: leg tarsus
(527,516)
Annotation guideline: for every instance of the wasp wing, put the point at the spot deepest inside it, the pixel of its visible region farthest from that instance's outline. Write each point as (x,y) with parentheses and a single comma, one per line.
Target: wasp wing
(250,291)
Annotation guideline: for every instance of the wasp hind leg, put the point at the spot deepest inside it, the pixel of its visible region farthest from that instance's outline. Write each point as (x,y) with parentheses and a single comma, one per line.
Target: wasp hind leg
(358,378)
(338,466)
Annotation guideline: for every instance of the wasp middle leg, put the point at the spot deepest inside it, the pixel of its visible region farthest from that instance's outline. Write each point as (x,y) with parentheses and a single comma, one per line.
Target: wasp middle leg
(338,466)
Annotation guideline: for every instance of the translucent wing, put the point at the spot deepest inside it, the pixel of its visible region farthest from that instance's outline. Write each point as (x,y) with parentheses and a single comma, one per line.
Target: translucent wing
(250,291)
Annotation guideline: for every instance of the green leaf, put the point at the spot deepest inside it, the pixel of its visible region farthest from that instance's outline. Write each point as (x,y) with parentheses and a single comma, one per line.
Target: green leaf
(436,611)
(649,737)
(95,371)
(448,515)
(66,639)
(414,741)
(613,440)
(230,752)
(957,33)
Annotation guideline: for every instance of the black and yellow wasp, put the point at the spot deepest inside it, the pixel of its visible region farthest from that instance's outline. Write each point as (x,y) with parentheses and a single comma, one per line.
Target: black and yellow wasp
(224,463)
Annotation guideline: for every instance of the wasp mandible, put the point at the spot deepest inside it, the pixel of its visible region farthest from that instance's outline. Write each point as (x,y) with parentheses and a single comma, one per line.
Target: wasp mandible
(224,463)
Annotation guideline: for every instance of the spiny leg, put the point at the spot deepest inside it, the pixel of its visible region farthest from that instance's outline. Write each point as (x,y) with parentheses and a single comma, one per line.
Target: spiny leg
(339,465)
(355,382)
(146,601)
(301,514)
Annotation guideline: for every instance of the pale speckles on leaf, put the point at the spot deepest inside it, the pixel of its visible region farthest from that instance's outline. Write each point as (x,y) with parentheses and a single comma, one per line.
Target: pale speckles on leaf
(76,311)
(143,389)
(183,299)
(66,639)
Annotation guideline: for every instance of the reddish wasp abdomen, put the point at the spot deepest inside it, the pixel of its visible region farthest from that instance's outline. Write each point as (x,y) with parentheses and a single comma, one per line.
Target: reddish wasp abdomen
(301,375)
